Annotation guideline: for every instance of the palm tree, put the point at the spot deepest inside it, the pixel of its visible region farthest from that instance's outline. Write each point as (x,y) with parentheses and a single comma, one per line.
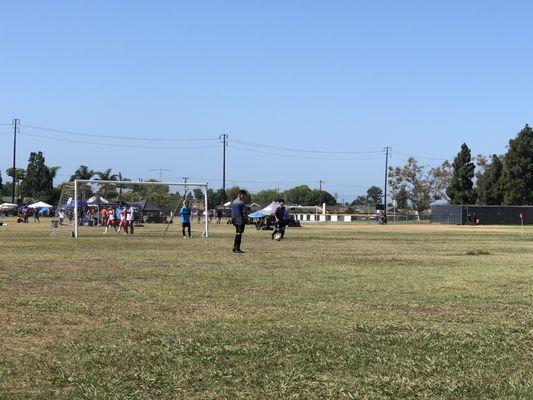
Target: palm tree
(107,190)
(53,172)
(120,187)
(83,172)
(106,175)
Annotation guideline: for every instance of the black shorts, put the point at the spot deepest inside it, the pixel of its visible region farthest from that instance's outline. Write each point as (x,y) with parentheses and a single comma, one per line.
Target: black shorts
(239,228)
(185,224)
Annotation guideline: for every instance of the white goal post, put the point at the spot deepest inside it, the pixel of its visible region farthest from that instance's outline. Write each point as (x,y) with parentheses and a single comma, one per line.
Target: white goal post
(127,185)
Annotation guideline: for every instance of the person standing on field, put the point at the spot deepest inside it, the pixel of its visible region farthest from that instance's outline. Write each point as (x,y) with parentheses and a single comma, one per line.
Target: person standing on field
(185,213)
(281,219)
(239,220)
(110,221)
(130,218)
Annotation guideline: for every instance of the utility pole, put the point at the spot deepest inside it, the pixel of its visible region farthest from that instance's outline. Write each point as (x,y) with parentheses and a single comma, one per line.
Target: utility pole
(16,121)
(320,182)
(387,150)
(224,142)
(185,179)
(336,195)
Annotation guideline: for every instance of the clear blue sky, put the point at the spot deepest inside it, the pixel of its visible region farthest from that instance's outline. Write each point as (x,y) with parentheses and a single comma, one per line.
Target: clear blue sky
(419,76)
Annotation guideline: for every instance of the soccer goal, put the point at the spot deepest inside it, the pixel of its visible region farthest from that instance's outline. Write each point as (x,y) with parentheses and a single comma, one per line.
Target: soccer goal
(150,208)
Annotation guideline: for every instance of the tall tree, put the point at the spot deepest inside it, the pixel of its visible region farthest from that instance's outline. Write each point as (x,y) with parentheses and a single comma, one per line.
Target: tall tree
(360,200)
(490,187)
(402,198)
(461,188)
(53,172)
(317,197)
(19,177)
(374,195)
(107,190)
(232,192)
(297,194)
(441,177)
(38,182)
(416,180)
(266,196)
(518,169)
(83,172)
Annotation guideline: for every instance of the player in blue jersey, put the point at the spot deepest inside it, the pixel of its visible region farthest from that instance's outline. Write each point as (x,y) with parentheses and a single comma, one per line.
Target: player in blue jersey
(185,213)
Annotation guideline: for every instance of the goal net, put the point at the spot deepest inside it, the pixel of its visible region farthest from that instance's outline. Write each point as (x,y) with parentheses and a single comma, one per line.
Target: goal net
(149,208)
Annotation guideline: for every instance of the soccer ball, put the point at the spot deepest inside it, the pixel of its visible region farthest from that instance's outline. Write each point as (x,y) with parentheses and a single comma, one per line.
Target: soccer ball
(277,236)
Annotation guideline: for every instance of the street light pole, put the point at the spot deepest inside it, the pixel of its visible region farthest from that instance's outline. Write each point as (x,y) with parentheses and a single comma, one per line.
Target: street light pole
(16,121)
(387,151)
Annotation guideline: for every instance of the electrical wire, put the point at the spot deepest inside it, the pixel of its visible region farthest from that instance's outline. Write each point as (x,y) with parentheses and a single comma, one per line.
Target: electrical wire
(302,150)
(118,145)
(422,157)
(302,157)
(75,133)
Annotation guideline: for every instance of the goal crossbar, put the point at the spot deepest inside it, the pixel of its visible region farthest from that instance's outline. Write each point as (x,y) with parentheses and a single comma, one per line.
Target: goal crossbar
(203,185)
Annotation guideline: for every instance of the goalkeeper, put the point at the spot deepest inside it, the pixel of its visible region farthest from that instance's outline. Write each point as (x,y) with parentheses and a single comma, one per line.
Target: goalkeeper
(185,213)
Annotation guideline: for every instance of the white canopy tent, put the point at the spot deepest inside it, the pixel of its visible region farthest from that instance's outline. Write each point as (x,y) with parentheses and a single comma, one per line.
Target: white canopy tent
(267,211)
(39,204)
(7,206)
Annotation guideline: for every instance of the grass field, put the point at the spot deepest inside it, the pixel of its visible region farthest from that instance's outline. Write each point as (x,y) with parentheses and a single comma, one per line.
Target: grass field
(335,311)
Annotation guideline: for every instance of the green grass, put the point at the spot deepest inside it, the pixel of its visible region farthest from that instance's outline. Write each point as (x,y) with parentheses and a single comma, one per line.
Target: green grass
(335,311)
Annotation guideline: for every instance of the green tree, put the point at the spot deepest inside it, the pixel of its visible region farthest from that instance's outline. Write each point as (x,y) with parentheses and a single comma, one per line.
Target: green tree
(231,194)
(318,197)
(417,181)
(360,200)
(518,169)
(402,198)
(266,196)
(439,179)
(19,176)
(490,186)
(214,198)
(107,190)
(461,188)
(374,195)
(38,183)
(83,172)
(53,172)
(297,194)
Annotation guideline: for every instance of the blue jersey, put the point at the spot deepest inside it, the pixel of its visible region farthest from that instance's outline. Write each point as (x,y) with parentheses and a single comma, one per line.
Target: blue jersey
(185,213)
(237,212)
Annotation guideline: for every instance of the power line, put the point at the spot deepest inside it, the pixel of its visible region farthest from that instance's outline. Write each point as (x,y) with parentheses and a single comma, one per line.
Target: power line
(302,150)
(422,157)
(76,133)
(120,145)
(302,157)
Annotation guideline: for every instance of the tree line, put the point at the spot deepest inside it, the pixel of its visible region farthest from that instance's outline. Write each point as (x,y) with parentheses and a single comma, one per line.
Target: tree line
(505,179)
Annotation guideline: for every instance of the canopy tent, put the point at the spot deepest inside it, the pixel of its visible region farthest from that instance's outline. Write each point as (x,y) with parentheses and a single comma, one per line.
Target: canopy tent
(7,206)
(147,206)
(39,204)
(265,212)
(97,201)
(70,204)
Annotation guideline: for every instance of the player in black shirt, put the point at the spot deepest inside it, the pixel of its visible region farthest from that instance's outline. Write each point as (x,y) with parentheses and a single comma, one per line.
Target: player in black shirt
(281,219)
(239,220)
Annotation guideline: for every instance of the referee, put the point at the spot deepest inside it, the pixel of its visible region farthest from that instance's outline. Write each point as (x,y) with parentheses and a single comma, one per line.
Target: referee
(239,220)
